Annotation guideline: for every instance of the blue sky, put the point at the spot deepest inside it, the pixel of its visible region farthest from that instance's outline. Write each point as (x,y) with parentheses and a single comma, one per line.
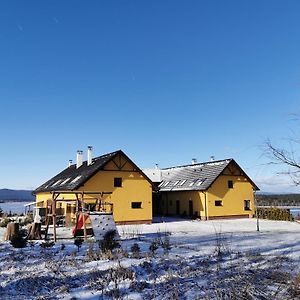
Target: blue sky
(165,81)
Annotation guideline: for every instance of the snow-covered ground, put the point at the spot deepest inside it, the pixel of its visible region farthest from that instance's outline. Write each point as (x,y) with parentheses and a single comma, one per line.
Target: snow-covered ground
(220,259)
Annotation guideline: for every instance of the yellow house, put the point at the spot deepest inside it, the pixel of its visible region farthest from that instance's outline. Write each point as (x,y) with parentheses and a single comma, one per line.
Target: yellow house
(119,180)
(215,189)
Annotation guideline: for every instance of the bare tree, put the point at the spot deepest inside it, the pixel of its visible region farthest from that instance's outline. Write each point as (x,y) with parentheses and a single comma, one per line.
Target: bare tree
(286,157)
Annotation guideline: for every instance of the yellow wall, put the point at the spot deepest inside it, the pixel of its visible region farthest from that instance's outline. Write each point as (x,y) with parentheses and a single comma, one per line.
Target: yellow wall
(168,202)
(232,198)
(135,188)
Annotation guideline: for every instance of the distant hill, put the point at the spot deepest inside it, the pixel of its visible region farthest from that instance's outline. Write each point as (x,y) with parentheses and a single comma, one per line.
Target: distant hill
(16,195)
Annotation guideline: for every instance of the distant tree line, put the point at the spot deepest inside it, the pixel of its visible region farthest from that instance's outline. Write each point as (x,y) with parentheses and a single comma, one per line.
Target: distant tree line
(278,200)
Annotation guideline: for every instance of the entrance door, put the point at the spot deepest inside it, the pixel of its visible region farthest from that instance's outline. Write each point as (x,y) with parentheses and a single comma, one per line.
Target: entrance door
(177,207)
(191,210)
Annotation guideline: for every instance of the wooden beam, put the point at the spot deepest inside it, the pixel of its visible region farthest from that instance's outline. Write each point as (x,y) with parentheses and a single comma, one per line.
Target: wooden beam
(84,227)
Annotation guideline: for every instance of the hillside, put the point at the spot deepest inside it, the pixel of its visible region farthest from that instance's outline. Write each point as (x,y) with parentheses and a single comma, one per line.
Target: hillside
(16,195)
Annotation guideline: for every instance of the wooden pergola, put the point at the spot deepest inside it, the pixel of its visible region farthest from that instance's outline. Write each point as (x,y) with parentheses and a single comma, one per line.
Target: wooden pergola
(81,199)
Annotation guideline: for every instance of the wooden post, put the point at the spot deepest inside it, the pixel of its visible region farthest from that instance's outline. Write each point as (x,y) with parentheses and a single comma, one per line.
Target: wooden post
(54,218)
(48,213)
(34,232)
(84,226)
(11,230)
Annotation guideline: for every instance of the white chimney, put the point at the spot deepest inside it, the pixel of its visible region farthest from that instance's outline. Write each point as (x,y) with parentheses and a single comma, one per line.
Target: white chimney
(70,163)
(79,159)
(194,161)
(90,155)
(156,166)
(212,158)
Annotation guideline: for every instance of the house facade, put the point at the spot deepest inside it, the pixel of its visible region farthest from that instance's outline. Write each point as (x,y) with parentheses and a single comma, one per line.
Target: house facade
(215,189)
(114,176)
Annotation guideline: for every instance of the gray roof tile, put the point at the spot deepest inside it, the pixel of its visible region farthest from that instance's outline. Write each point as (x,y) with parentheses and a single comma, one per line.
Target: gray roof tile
(197,177)
(71,178)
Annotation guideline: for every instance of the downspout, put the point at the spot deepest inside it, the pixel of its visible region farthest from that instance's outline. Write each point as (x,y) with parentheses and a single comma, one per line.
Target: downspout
(205,206)
(256,208)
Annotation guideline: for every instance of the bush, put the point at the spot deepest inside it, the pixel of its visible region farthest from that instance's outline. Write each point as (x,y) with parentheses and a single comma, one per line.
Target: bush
(27,220)
(136,251)
(108,243)
(47,244)
(18,241)
(275,213)
(4,222)
(166,245)
(153,247)
(78,242)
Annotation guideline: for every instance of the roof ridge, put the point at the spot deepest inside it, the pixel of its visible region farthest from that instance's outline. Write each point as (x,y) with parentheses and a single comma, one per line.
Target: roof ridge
(98,157)
(107,154)
(198,164)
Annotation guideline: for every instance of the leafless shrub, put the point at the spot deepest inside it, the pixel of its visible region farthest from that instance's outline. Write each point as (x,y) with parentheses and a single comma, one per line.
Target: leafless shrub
(139,286)
(131,231)
(108,281)
(221,246)
(135,251)
(294,287)
(166,245)
(153,247)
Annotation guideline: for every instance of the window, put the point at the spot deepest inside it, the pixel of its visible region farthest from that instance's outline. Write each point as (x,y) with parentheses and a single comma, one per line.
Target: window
(193,182)
(218,203)
(65,181)
(247,205)
(161,184)
(200,181)
(136,204)
(56,183)
(76,179)
(117,182)
(230,184)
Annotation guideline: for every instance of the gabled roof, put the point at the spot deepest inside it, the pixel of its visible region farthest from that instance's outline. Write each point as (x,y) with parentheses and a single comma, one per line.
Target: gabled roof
(153,174)
(198,177)
(72,178)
